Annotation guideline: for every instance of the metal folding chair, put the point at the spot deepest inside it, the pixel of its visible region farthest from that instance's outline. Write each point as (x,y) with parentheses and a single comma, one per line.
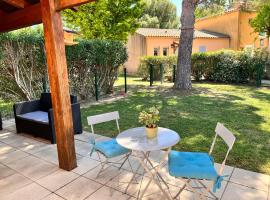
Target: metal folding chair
(108,149)
(194,167)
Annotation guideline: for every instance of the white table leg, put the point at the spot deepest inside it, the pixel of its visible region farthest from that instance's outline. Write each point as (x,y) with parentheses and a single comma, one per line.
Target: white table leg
(153,174)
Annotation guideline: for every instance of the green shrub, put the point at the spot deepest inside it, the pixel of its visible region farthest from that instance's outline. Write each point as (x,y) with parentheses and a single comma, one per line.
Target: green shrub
(224,66)
(94,56)
(167,61)
(22,65)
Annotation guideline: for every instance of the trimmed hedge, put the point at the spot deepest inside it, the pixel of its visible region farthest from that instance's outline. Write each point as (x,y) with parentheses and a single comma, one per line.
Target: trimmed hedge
(23,52)
(167,61)
(94,56)
(225,66)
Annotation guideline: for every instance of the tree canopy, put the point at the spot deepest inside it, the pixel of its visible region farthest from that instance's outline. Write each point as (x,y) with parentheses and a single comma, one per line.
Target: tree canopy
(105,19)
(208,10)
(159,14)
(261,23)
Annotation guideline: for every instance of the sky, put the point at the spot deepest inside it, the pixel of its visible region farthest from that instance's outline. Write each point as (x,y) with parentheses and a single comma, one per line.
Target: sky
(178,4)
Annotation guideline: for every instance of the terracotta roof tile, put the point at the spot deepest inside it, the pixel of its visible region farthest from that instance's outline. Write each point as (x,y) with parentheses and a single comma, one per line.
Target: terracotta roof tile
(155,32)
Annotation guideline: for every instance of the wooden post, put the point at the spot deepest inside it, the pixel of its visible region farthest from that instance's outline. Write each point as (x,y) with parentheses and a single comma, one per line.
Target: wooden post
(58,75)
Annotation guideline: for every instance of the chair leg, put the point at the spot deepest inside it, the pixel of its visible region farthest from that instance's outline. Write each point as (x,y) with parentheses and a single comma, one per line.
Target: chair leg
(125,159)
(187,184)
(207,189)
(181,190)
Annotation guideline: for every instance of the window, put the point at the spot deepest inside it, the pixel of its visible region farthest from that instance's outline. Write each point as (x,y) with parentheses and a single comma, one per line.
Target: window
(263,34)
(202,48)
(155,51)
(165,51)
(261,42)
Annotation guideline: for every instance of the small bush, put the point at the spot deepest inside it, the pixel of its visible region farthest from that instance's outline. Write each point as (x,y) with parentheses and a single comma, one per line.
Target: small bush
(167,61)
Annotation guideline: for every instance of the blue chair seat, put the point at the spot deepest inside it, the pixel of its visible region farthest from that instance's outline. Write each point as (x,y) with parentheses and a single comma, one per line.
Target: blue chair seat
(110,148)
(192,165)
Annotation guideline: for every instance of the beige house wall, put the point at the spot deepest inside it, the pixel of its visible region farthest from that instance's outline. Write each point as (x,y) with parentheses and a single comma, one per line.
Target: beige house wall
(247,35)
(210,44)
(225,24)
(139,46)
(160,43)
(236,25)
(136,48)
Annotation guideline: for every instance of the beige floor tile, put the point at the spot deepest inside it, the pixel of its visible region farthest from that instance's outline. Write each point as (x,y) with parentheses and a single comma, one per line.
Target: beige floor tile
(19,141)
(218,192)
(32,191)
(5,134)
(12,156)
(227,170)
(10,127)
(49,154)
(82,148)
(78,189)
(250,179)
(154,193)
(121,182)
(5,148)
(96,157)
(105,176)
(85,164)
(9,122)
(13,183)
(57,179)
(106,193)
(5,171)
(134,163)
(85,136)
(53,196)
(239,192)
(34,148)
(33,167)
(102,138)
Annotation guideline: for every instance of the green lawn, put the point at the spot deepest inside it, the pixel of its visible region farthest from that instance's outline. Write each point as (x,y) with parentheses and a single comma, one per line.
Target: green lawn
(244,110)
(6,108)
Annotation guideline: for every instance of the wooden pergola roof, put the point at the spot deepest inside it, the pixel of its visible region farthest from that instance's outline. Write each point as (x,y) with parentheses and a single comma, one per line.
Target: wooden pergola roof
(15,14)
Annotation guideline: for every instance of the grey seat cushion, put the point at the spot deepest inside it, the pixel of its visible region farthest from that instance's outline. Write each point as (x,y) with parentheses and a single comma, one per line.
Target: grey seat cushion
(39,116)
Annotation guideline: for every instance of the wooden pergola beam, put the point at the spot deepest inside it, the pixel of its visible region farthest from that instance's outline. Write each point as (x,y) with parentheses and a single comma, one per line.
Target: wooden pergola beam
(28,16)
(58,76)
(63,4)
(2,13)
(17,3)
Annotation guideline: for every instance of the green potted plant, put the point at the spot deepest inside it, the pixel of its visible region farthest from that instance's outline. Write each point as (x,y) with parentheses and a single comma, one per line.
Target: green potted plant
(149,118)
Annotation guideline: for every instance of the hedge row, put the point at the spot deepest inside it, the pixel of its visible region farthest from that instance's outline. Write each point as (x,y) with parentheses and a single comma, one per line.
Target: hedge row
(23,65)
(221,66)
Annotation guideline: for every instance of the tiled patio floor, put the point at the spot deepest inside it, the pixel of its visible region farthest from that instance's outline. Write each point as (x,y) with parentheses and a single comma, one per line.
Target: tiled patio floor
(29,170)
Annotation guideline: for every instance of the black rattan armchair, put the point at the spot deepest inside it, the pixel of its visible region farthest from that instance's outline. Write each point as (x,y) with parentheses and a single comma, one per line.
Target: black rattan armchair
(36,117)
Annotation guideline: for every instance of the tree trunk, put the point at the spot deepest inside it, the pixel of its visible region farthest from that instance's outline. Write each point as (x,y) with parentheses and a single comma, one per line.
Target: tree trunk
(183,71)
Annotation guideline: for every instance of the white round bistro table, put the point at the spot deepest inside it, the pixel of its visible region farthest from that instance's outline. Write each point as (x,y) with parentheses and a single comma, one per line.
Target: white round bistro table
(135,139)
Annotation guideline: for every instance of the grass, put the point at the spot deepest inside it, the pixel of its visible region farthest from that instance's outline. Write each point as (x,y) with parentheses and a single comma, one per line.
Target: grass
(6,108)
(243,109)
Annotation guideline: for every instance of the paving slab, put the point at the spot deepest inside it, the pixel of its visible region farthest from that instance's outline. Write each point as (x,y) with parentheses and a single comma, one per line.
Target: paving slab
(57,179)
(251,179)
(240,192)
(78,189)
